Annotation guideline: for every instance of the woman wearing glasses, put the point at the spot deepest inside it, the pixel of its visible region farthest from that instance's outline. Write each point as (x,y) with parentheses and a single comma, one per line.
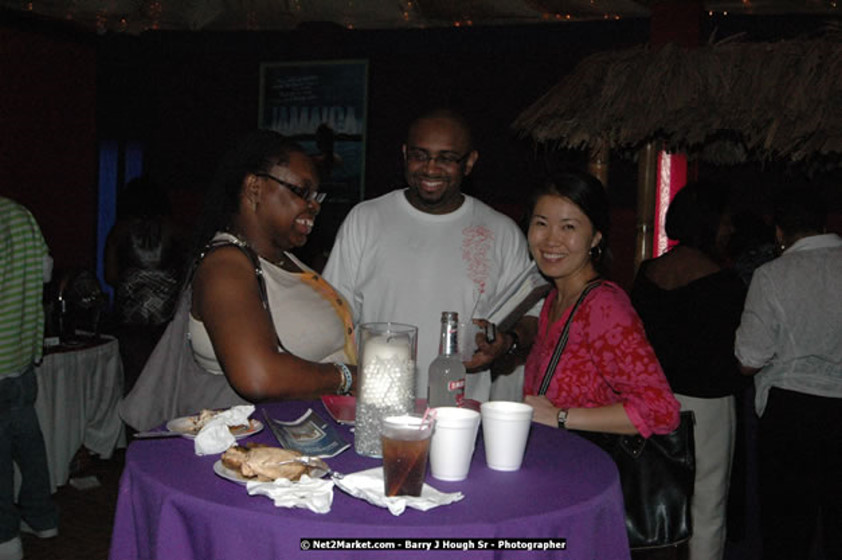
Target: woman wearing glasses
(258,315)
(254,323)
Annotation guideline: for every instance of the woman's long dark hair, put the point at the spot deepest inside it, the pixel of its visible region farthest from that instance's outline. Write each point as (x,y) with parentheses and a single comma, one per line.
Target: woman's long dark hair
(256,152)
(586,192)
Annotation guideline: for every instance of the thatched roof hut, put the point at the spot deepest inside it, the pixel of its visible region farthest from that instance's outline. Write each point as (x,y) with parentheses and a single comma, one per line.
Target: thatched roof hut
(725,103)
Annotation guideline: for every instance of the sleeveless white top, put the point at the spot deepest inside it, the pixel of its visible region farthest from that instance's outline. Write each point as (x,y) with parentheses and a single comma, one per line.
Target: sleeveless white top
(306,322)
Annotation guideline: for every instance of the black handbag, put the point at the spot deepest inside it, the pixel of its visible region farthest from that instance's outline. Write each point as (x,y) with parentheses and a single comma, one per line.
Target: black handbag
(656,473)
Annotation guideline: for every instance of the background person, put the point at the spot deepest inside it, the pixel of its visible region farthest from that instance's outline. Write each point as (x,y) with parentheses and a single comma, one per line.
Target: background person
(789,339)
(144,255)
(751,244)
(25,266)
(326,160)
(415,252)
(608,378)
(690,306)
(144,258)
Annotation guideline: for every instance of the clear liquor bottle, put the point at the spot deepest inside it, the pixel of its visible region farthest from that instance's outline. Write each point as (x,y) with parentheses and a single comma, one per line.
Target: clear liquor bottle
(446,379)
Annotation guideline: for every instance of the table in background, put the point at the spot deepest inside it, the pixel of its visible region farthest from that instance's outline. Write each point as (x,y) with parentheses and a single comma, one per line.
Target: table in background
(78,391)
(172,506)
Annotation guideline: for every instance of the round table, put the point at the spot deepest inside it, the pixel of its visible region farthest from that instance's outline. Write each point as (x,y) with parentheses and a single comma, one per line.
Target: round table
(171,505)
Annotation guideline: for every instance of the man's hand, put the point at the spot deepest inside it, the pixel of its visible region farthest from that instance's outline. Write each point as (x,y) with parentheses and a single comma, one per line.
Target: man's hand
(486,351)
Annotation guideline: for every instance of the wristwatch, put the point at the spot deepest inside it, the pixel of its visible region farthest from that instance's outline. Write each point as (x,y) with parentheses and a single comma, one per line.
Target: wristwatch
(515,343)
(562,419)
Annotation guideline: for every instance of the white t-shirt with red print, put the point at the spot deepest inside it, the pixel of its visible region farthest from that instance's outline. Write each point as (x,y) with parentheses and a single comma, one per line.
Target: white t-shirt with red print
(393,262)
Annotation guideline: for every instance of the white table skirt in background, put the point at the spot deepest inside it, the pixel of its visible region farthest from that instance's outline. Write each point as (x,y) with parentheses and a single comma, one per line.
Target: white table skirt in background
(78,392)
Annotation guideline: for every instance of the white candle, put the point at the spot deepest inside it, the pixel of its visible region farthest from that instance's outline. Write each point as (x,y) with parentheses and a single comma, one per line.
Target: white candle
(386,383)
(385,348)
(387,370)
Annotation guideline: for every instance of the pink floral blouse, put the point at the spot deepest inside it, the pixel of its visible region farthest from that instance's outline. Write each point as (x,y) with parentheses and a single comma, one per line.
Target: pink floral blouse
(607,360)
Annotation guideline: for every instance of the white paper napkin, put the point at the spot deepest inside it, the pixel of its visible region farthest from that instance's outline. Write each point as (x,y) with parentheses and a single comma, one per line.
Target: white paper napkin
(368,485)
(215,437)
(314,494)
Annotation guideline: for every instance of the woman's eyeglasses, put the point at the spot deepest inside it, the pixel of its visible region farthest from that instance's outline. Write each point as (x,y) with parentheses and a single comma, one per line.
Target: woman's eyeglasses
(301,192)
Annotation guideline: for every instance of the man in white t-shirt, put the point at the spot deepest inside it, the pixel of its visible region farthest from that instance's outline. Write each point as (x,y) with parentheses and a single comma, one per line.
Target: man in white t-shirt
(415,252)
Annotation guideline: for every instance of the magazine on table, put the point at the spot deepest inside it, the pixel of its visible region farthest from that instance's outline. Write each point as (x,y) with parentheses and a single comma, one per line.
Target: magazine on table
(310,435)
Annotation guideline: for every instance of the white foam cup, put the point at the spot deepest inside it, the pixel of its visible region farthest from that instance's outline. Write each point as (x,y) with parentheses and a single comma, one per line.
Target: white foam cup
(453,442)
(505,430)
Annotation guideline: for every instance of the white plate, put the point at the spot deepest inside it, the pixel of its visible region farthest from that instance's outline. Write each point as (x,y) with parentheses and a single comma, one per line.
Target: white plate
(185,425)
(228,474)
(234,476)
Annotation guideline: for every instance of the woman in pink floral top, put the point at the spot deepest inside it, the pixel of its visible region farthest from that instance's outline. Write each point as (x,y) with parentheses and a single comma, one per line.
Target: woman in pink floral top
(608,378)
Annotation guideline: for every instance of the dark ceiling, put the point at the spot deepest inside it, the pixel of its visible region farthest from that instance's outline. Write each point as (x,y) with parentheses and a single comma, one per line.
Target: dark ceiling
(137,16)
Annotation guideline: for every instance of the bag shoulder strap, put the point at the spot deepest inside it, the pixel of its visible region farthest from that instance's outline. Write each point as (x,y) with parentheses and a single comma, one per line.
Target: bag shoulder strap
(258,272)
(562,340)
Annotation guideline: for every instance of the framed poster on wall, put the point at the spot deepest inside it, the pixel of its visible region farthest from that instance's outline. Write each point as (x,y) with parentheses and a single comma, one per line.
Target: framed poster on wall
(321,105)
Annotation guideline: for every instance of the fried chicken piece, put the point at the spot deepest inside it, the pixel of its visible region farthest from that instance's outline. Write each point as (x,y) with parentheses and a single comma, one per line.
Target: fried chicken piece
(263,463)
(234,457)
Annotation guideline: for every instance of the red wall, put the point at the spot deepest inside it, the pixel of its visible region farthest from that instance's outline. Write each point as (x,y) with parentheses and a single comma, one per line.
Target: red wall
(48,147)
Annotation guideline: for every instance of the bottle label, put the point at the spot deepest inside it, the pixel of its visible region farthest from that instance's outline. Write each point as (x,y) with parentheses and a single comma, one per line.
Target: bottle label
(456,385)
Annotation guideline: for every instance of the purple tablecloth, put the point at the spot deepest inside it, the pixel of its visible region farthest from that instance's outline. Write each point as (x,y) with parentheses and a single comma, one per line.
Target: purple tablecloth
(172,506)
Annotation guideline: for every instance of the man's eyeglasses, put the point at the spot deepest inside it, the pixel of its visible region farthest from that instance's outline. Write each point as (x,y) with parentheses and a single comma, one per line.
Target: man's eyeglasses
(417,155)
(302,192)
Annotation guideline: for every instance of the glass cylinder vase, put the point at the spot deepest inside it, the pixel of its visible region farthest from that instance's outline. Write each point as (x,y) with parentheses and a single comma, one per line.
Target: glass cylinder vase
(386,380)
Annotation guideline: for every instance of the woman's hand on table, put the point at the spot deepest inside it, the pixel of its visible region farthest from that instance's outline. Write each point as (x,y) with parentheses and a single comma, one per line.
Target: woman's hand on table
(544,411)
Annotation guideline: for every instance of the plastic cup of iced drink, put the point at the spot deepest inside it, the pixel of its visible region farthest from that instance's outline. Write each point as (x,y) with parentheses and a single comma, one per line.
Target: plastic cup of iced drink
(406,443)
